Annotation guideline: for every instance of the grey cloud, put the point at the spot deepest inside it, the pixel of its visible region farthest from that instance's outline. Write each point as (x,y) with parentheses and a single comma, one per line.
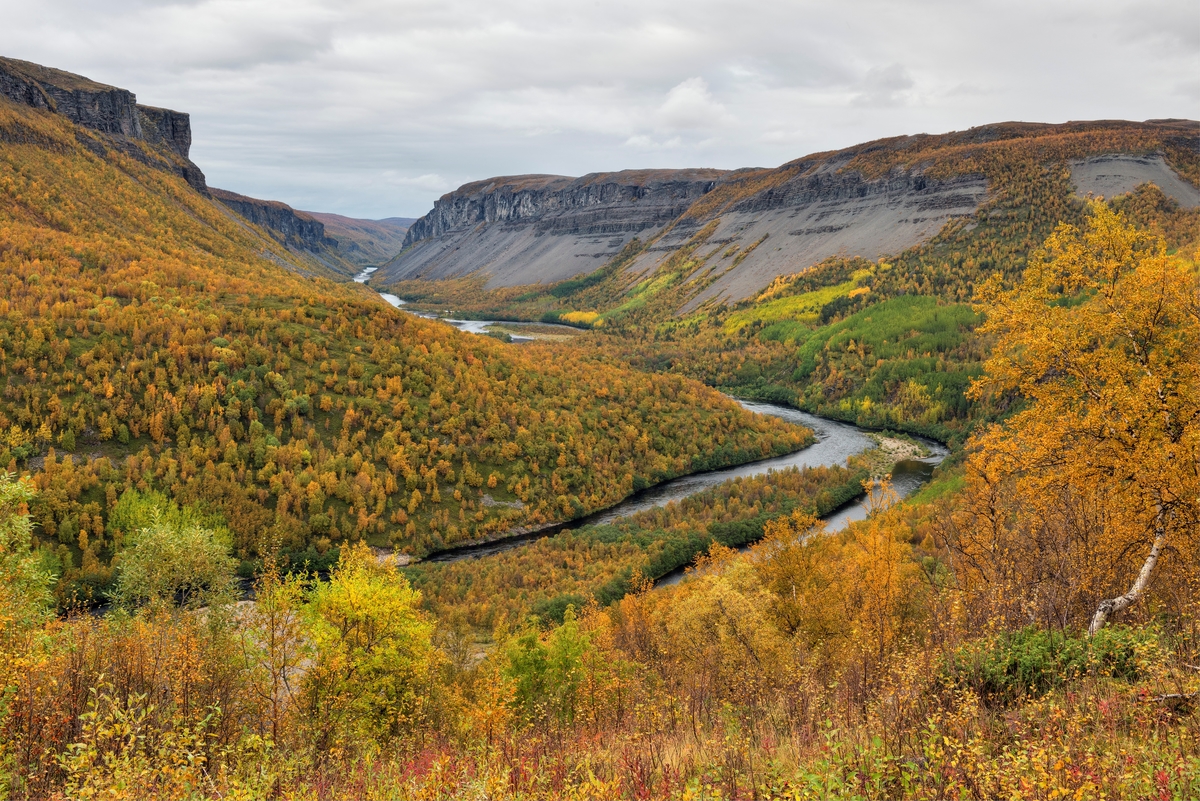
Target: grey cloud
(690,105)
(375,108)
(885,86)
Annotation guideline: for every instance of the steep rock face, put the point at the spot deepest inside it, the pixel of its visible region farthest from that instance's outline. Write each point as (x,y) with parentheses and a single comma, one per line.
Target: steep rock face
(543,228)
(165,127)
(104,109)
(292,228)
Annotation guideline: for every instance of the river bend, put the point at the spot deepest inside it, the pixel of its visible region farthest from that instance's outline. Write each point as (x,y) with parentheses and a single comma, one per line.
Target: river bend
(836,442)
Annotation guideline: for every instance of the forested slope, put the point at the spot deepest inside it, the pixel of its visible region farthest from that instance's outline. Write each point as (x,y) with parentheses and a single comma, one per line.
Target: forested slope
(877,337)
(150,339)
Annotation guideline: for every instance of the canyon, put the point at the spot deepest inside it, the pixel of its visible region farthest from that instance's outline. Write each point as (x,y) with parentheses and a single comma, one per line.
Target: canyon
(742,229)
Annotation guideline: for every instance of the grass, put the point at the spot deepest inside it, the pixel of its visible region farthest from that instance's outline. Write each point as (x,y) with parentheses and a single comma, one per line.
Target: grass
(801,308)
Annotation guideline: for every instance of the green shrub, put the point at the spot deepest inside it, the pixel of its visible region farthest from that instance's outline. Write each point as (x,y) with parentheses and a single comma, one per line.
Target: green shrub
(1032,661)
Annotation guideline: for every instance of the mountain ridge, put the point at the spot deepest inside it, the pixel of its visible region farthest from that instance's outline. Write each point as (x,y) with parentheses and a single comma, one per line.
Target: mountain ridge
(554,226)
(365,243)
(163,138)
(870,200)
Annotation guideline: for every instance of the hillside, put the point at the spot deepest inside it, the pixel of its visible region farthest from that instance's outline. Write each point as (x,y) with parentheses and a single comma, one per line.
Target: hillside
(744,229)
(530,229)
(151,339)
(841,282)
(365,243)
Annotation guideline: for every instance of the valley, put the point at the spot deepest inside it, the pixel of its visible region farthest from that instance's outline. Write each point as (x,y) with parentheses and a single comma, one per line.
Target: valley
(874,474)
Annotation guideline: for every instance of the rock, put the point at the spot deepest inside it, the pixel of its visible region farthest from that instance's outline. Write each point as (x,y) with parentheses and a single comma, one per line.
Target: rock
(1109,176)
(102,108)
(106,110)
(292,228)
(165,127)
(819,211)
(532,228)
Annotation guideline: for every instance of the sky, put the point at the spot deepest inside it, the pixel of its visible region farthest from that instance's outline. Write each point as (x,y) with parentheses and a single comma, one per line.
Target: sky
(375,109)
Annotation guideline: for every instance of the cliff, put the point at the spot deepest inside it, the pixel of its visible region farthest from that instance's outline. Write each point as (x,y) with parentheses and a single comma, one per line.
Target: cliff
(300,232)
(545,228)
(289,227)
(107,110)
(106,121)
(745,228)
(542,228)
(817,211)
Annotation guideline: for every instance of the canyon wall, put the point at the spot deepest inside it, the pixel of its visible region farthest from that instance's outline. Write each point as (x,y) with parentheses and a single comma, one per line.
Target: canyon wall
(543,228)
(107,110)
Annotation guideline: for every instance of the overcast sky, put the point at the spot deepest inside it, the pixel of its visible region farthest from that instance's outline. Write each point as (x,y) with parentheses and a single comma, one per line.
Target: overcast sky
(374,109)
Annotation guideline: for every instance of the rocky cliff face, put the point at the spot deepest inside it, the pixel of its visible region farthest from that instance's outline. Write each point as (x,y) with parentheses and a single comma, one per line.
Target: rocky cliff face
(540,228)
(104,109)
(292,228)
(172,129)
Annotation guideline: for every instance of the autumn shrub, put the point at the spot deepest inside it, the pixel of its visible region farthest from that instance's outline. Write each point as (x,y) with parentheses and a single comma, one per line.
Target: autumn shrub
(370,681)
(185,564)
(546,675)
(122,754)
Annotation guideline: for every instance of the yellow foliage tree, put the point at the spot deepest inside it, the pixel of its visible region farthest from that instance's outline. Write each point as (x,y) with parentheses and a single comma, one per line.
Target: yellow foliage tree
(373,658)
(1101,337)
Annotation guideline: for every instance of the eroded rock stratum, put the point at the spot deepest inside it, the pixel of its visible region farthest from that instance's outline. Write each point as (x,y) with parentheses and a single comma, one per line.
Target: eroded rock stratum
(747,227)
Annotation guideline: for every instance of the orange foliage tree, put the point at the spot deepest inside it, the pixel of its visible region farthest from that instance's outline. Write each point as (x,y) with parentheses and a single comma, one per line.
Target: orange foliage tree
(1101,339)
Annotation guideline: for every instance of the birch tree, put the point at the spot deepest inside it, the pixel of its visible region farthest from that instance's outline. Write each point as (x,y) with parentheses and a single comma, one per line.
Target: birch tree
(1101,338)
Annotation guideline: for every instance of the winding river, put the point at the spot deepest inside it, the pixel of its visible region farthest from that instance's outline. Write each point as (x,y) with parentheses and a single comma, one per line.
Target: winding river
(836,442)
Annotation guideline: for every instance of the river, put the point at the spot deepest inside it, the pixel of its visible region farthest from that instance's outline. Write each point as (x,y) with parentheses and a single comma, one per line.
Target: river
(836,442)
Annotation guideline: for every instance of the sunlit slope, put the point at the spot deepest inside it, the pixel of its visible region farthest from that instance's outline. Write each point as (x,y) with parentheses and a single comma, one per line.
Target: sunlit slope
(167,346)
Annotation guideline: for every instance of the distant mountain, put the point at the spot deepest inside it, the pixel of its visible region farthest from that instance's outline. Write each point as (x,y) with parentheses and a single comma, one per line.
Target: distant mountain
(748,227)
(365,243)
(529,228)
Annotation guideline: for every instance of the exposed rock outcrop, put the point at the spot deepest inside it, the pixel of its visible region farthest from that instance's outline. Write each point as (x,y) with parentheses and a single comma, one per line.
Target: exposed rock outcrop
(822,211)
(290,227)
(542,228)
(106,110)
(1109,176)
(162,126)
